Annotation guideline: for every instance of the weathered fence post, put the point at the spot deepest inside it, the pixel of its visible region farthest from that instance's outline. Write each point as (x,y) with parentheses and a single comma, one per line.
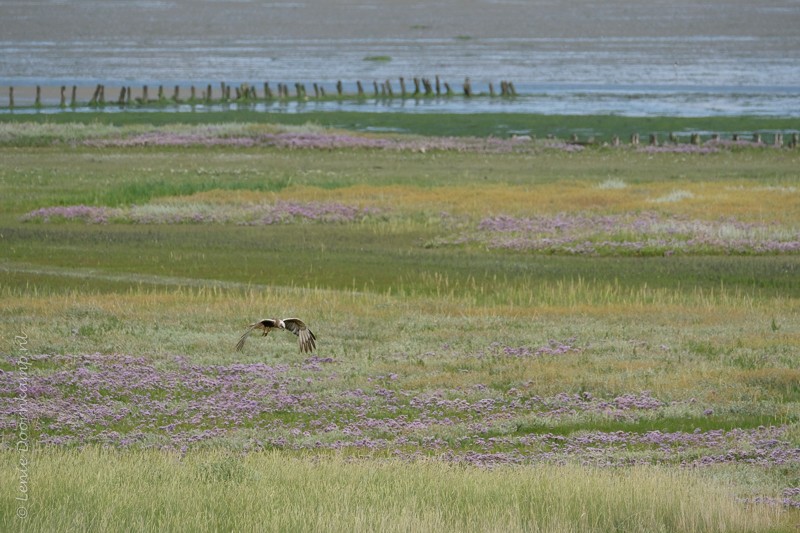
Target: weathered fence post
(192,94)
(447,89)
(778,140)
(10,97)
(426,83)
(339,87)
(467,87)
(653,139)
(267,91)
(63,102)
(145,96)
(673,138)
(360,89)
(615,140)
(95,96)
(389,89)
(73,100)
(795,140)
(176,94)
(695,139)
(634,139)
(735,137)
(121,100)
(38,102)
(491,90)
(402,87)
(416,86)
(438,86)
(375,88)
(757,138)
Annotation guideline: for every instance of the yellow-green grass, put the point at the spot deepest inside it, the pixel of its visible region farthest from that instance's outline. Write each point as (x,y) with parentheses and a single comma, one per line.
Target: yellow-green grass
(211,490)
(715,338)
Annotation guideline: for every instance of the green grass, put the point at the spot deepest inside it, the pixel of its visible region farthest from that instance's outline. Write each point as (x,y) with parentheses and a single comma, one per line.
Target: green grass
(219,491)
(715,338)
(602,127)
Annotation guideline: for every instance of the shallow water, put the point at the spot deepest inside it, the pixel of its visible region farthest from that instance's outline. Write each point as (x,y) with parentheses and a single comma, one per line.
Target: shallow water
(618,56)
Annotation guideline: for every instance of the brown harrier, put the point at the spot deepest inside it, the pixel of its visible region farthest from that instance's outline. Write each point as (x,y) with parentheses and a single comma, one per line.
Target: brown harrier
(306,338)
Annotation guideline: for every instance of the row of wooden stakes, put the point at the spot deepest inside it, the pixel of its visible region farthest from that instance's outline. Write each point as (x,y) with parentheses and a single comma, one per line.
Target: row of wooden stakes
(419,87)
(696,139)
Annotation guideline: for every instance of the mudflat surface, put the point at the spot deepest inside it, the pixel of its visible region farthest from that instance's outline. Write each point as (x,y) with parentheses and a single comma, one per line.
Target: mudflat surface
(547,47)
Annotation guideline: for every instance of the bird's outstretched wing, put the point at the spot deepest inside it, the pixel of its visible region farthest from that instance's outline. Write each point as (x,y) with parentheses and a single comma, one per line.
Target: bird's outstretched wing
(265,324)
(305,336)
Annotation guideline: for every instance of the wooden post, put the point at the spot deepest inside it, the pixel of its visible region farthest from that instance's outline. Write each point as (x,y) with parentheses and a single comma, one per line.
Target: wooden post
(339,87)
(491,89)
(10,97)
(416,86)
(360,89)
(128,97)
(574,138)
(145,96)
(389,89)
(795,140)
(192,94)
(615,140)
(634,139)
(176,94)
(375,87)
(38,102)
(73,99)
(402,87)
(757,138)
(447,90)
(267,91)
(653,139)
(121,100)
(695,139)
(715,137)
(673,138)
(95,96)
(736,137)
(63,102)
(428,86)
(228,93)
(467,88)
(438,86)
(208,93)
(322,91)
(222,91)
(316,91)
(512,91)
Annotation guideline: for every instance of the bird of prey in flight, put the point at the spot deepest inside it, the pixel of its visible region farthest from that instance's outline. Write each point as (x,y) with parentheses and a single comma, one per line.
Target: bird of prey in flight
(305,336)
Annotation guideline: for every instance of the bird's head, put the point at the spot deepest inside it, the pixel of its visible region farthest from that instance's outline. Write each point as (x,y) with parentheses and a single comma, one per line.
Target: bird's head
(281,324)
